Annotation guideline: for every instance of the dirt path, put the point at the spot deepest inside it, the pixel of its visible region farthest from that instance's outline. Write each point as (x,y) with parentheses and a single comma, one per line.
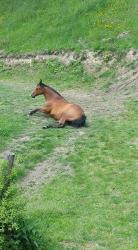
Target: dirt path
(46,170)
(95,103)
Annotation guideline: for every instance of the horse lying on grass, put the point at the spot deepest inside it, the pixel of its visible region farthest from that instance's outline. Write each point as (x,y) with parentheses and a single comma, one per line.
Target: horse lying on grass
(57,107)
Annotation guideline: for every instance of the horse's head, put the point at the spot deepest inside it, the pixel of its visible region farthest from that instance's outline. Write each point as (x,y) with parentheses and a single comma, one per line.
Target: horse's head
(39,90)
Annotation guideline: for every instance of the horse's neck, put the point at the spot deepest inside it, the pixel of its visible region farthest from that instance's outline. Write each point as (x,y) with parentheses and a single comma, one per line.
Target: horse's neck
(49,94)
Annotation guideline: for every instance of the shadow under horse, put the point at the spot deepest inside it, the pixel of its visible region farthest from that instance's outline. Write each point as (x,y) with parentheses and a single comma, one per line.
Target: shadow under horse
(64,112)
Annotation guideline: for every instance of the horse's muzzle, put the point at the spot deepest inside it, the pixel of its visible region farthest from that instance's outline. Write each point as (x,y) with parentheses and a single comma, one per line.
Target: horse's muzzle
(33,96)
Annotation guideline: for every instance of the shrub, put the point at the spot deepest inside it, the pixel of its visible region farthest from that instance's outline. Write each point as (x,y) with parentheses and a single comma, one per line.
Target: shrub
(15,233)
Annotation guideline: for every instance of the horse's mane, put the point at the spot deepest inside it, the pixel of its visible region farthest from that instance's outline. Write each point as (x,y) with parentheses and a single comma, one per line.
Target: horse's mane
(44,85)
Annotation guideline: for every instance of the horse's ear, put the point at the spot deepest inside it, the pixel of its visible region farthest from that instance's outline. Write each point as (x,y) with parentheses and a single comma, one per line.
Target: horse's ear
(40,83)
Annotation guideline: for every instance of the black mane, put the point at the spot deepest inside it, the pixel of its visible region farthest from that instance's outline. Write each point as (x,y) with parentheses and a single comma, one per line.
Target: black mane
(44,85)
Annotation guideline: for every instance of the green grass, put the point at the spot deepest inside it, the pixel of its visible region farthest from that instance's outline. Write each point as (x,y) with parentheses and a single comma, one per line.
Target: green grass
(41,143)
(51,71)
(12,118)
(97,204)
(32,25)
(16,102)
(58,75)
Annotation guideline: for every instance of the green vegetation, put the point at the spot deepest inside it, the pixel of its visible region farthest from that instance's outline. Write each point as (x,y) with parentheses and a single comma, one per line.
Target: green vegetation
(97,204)
(32,25)
(12,118)
(94,208)
(40,144)
(51,71)
(15,123)
(14,230)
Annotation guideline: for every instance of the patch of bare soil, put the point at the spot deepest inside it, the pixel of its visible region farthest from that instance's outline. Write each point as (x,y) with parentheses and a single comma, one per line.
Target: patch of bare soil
(63,57)
(135,143)
(90,59)
(132,55)
(127,80)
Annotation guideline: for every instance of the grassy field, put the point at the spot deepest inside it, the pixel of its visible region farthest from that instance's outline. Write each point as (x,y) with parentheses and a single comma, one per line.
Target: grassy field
(33,26)
(16,124)
(95,206)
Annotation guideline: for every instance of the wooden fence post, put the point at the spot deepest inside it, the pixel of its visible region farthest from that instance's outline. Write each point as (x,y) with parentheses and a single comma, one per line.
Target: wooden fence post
(9,156)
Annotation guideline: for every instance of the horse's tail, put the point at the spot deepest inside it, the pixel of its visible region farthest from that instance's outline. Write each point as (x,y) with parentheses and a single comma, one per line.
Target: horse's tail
(78,122)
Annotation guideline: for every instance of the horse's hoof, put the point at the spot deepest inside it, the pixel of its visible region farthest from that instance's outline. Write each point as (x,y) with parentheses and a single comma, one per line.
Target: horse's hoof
(45,127)
(30,113)
(48,126)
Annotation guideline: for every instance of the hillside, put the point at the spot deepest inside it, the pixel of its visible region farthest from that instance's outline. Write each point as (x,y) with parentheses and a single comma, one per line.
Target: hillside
(79,186)
(32,25)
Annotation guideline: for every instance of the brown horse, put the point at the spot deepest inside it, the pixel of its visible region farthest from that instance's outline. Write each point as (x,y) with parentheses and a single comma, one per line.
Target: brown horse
(58,108)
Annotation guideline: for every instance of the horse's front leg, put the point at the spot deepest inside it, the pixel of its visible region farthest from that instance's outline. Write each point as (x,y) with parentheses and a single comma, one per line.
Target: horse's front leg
(37,110)
(34,111)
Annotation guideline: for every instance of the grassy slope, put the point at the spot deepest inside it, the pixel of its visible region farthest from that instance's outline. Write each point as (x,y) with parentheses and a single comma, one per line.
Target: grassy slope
(50,71)
(98,204)
(34,25)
